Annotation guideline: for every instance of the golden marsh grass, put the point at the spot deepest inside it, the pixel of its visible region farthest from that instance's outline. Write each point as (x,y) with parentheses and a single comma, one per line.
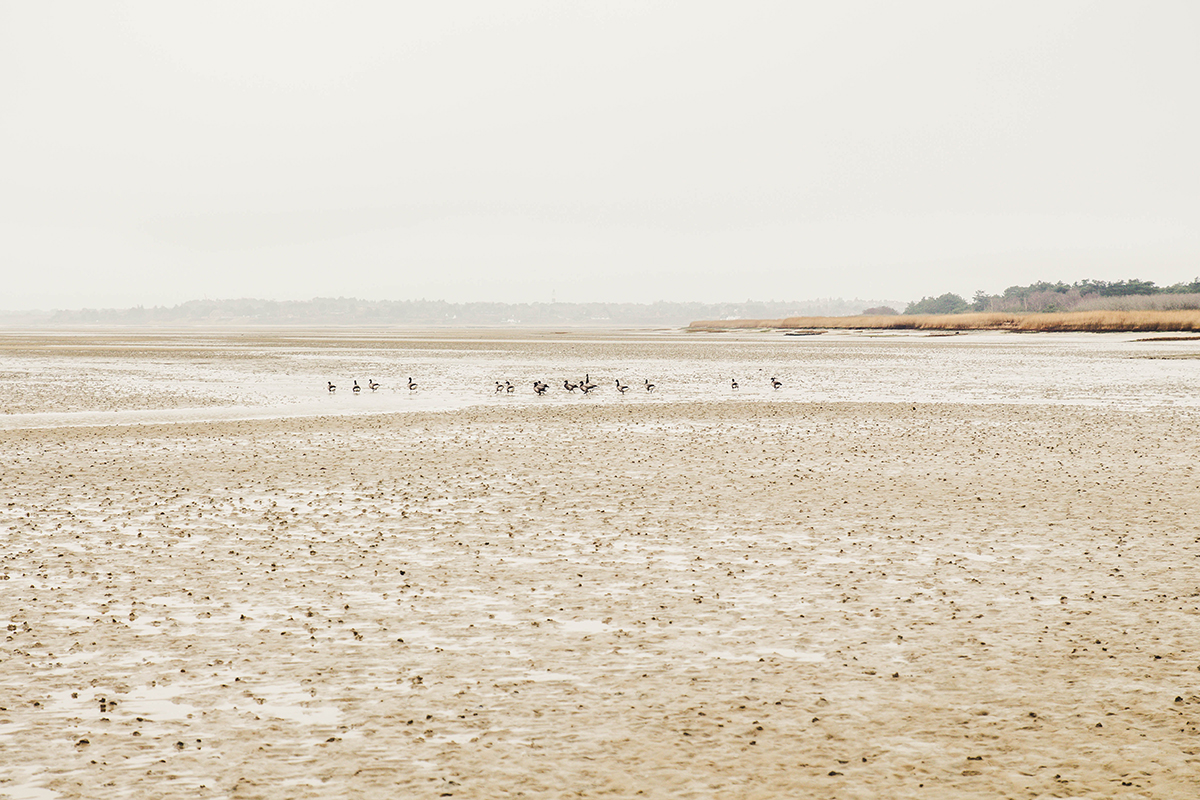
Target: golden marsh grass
(1080,321)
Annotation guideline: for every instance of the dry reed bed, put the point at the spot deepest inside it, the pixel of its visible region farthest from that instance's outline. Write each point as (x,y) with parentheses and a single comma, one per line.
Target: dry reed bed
(1087,321)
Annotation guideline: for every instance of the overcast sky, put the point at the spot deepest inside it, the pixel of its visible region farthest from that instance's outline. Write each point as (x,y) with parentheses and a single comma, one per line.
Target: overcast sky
(619,151)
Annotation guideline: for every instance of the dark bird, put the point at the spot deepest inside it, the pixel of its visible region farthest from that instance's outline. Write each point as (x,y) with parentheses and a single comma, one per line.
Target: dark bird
(733,383)
(356,388)
(508,387)
(621,387)
(372,385)
(412,387)
(332,388)
(649,385)
(775,384)
(540,387)
(570,387)
(499,387)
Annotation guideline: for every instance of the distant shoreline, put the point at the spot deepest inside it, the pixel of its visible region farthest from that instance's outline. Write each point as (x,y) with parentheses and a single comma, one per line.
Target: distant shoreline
(1068,321)
(354,311)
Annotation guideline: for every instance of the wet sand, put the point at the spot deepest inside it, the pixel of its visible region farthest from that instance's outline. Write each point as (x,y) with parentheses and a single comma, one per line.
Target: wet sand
(680,600)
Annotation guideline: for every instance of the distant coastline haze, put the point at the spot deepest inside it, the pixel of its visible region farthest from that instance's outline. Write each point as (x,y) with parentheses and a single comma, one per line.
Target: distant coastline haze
(623,152)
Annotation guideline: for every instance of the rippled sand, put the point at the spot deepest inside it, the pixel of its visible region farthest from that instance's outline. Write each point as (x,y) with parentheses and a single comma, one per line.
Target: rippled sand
(721,599)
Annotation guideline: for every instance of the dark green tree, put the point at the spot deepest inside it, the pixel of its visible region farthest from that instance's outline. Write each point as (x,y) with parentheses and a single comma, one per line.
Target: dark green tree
(949,303)
(982,301)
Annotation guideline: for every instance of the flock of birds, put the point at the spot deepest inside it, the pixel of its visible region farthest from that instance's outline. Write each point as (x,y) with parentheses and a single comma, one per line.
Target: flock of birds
(586,385)
(372,385)
(541,387)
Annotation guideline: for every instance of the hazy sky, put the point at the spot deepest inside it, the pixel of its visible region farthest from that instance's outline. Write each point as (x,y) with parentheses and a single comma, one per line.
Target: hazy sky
(622,151)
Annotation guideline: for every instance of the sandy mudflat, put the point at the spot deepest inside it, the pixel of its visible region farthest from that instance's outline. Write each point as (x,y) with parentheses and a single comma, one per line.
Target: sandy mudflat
(681,600)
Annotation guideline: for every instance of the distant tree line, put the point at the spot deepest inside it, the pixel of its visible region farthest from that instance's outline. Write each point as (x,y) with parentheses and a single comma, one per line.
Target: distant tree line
(1083,295)
(352,311)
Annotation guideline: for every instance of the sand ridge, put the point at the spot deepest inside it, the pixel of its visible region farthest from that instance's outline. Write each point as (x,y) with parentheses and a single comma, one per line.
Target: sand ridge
(726,599)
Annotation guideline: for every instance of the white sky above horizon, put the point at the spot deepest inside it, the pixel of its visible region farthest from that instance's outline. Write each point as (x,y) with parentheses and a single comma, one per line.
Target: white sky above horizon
(625,151)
